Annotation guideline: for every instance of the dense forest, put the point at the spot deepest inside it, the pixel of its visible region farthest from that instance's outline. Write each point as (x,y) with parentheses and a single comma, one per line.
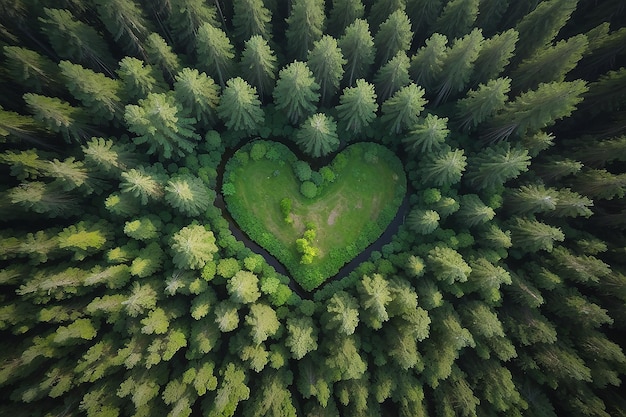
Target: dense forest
(128,289)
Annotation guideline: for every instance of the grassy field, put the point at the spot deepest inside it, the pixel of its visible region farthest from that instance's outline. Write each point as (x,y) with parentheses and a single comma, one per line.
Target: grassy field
(341,212)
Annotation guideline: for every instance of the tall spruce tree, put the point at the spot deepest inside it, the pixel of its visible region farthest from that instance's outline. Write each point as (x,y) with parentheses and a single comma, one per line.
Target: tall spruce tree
(357,45)
(215,52)
(357,107)
(240,107)
(305,25)
(258,65)
(393,36)
(296,91)
(326,63)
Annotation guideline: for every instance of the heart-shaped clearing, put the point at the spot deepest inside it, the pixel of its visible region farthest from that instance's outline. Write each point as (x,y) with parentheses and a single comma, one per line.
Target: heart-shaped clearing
(347,214)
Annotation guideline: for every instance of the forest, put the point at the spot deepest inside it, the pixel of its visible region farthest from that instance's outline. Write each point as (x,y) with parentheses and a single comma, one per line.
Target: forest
(312,208)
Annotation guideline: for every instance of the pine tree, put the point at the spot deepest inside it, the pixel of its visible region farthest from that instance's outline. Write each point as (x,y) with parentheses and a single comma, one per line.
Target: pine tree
(344,360)
(393,36)
(301,336)
(70,174)
(549,64)
(423,221)
(539,27)
(258,64)
(76,41)
(24,165)
(374,295)
(443,168)
(317,136)
(537,109)
(601,184)
(457,18)
(99,95)
(125,21)
(188,194)
(185,19)
(198,93)
(342,14)
(490,14)
(458,65)
(139,80)
(342,313)
(143,184)
(192,247)
(357,45)
(296,91)
(473,211)
(107,156)
(326,63)
(357,108)
(42,198)
(240,107)
(423,14)
(427,63)
(84,238)
(14,126)
(243,287)
(531,199)
(58,116)
(480,104)
(305,25)
(532,236)
(380,10)
(430,133)
(392,76)
(402,110)
(159,121)
(495,54)
(494,166)
(160,55)
(272,396)
(215,52)
(250,18)
(448,265)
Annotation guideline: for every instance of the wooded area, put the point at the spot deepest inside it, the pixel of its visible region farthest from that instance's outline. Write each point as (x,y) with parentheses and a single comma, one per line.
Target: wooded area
(124,290)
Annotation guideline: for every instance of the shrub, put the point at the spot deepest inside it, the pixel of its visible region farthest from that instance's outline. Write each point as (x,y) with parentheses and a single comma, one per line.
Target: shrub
(308,189)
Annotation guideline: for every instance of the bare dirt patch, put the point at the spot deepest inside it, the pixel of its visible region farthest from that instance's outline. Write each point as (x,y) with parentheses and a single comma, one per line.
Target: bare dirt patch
(333,216)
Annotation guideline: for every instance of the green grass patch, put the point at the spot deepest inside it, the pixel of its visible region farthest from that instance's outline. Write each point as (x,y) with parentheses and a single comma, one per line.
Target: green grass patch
(348,212)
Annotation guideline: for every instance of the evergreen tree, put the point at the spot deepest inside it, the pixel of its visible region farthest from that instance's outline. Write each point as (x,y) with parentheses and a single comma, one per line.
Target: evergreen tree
(240,107)
(393,36)
(392,76)
(243,287)
(495,165)
(531,199)
(480,104)
(305,25)
(430,132)
(531,235)
(601,184)
(473,211)
(192,247)
(342,14)
(185,19)
(427,63)
(70,174)
(402,110)
(159,121)
(326,63)
(99,95)
(198,93)
(495,54)
(125,21)
(301,336)
(58,116)
(42,198)
(490,14)
(226,316)
(550,64)
(296,91)
(188,194)
(160,55)
(374,296)
(423,14)
(272,396)
(143,184)
(448,265)
(14,125)
(231,391)
(458,65)
(74,40)
(457,18)
(258,64)
(317,136)
(444,167)
(536,109)
(380,10)
(357,45)
(342,313)
(107,156)
(139,80)
(423,221)
(251,17)
(539,27)
(24,164)
(357,108)
(262,321)
(215,52)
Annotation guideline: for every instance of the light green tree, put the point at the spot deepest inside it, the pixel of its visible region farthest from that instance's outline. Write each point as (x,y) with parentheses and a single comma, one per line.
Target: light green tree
(231,391)
(392,76)
(226,316)
(394,35)
(357,107)
(305,25)
(374,295)
(262,322)
(358,49)
(531,235)
(402,110)
(215,52)
(188,194)
(326,62)
(473,211)
(43,198)
(258,64)
(251,18)
(296,91)
(317,136)
(494,166)
(301,336)
(342,313)
(160,55)
(192,247)
(243,287)
(84,238)
(160,122)
(448,265)
(143,183)
(430,133)
(198,93)
(240,107)
(139,79)
(423,221)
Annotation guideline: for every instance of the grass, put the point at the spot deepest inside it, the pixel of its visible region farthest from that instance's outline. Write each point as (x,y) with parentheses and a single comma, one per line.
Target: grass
(343,212)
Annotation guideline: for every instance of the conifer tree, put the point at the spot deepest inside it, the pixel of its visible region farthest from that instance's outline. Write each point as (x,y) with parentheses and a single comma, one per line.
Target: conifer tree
(262,321)
(198,93)
(14,125)
(427,63)
(99,95)
(296,91)
(490,14)
(392,76)
(480,104)
(342,14)
(43,198)
(357,106)
(76,41)
(160,55)
(342,313)
(549,64)
(305,25)
(457,18)
(393,36)
(531,235)
(494,166)
(138,79)
(448,265)
(601,184)
(160,122)
(188,194)
(357,45)
(423,221)
(250,18)
(423,14)
(58,116)
(495,54)
(143,184)
(215,52)
(317,136)
(374,295)
(402,110)
(326,63)
(192,247)
(185,19)
(258,64)
(125,21)
(458,65)
(428,134)
(24,164)
(107,156)
(443,168)
(231,391)
(531,199)
(243,287)
(240,107)
(473,211)
(380,10)
(70,174)
(301,336)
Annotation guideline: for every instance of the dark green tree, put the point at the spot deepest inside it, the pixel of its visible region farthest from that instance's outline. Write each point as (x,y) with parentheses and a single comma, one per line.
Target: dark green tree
(296,91)
(357,45)
(495,54)
(198,93)
(480,104)
(428,134)
(393,36)
(258,64)
(402,110)
(357,106)
(342,14)
(427,63)
(317,136)
(160,55)
(494,166)
(185,19)
(240,107)
(392,76)
(58,116)
(444,167)
(215,52)
(188,194)
(305,25)
(139,79)
(125,21)
(326,63)
(457,18)
(251,17)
